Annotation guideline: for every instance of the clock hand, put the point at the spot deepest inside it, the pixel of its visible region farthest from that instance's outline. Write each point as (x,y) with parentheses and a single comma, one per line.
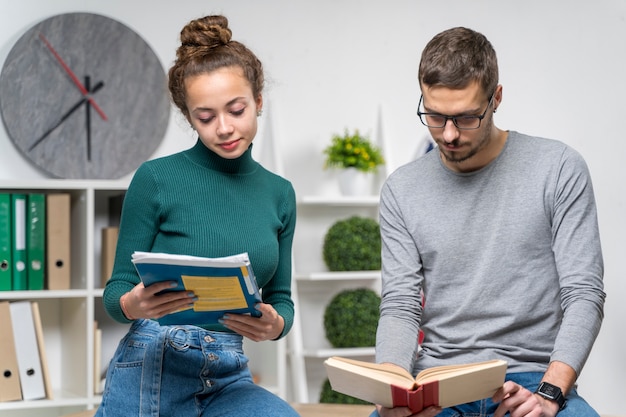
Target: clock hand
(66,115)
(73,76)
(88,117)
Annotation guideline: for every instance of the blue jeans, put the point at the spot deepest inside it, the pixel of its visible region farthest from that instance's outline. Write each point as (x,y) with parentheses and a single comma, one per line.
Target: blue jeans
(183,371)
(576,405)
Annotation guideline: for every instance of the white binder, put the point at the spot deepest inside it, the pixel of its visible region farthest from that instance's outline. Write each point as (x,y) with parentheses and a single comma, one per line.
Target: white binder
(26,346)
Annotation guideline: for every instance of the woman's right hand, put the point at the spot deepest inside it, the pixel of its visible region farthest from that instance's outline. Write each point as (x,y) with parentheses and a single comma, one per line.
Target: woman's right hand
(144,303)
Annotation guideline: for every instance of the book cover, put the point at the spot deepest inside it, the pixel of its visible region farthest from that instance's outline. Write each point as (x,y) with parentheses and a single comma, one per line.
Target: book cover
(41,347)
(97,359)
(115,209)
(222,285)
(390,386)
(36,240)
(6,260)
(18,232)
(107,253)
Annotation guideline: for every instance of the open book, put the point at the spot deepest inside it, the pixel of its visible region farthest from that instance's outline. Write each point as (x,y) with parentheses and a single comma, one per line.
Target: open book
(392,386)
(222,285)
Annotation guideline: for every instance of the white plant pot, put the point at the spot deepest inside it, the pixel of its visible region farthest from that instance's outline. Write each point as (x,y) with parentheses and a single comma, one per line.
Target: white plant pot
(353,182)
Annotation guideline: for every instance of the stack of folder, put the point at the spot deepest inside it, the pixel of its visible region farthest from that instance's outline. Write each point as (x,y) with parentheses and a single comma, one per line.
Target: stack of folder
(34,241)
(23,364)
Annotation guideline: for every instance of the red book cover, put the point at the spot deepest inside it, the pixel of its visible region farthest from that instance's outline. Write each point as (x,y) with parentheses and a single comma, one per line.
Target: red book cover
(416,399)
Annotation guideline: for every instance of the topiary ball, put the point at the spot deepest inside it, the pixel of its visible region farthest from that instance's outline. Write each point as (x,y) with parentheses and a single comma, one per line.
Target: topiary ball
(329,396)
(353,244)
(351,318)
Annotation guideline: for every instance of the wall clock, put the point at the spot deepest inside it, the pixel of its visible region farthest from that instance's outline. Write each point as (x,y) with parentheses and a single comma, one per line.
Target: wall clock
(84,96)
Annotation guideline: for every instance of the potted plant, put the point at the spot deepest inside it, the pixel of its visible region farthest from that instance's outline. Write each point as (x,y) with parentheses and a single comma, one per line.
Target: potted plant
(350,321)
(357,158)
(352,244)
(351,318)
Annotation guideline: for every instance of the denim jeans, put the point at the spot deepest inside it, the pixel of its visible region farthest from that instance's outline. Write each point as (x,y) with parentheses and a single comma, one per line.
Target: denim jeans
(183,371)
(576,405)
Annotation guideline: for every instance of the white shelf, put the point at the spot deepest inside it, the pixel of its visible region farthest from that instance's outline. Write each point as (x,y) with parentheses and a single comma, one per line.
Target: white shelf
(61,399)
(68,316)
(314,286)
(62,184)
(339,276)
(46,294)
(346,352)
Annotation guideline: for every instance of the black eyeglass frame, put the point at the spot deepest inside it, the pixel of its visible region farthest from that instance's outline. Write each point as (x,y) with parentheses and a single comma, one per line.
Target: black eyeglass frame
(453,118)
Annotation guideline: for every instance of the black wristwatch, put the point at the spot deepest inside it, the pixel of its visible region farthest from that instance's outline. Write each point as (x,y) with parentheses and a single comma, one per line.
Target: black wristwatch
(552,393)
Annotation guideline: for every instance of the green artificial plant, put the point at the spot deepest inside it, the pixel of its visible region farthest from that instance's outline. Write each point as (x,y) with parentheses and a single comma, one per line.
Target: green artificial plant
(352,244)
(353,150)
(351,318)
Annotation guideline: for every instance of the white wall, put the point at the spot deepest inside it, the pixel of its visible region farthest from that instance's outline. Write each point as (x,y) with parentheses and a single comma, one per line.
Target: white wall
(335,64)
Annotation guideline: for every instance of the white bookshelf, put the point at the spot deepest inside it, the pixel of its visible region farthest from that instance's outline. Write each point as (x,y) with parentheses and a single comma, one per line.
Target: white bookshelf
(314,287)
(68,316)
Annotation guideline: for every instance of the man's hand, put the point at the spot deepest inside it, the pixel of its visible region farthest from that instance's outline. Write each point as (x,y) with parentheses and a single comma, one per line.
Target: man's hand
(519,401)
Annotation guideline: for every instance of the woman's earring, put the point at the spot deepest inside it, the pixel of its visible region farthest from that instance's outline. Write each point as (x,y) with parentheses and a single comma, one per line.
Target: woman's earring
(259,113)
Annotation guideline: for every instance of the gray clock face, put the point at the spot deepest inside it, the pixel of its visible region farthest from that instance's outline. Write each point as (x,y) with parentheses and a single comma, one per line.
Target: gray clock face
(83,96)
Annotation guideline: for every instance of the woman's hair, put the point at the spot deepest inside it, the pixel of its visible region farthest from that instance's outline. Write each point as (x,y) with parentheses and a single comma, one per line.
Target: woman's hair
(206,46)
(457,57)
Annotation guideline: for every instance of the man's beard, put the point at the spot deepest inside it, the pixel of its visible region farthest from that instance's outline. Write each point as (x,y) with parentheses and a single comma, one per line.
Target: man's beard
(458,157)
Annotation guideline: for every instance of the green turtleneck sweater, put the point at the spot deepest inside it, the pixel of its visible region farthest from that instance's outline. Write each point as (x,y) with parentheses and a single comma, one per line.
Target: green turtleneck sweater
(197,203)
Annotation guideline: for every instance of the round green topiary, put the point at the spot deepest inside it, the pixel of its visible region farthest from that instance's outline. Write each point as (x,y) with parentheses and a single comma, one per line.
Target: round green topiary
(351,318)
(333,397)
(353,244)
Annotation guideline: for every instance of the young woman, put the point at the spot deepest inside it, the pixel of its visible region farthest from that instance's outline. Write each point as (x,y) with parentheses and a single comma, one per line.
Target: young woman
(211,200)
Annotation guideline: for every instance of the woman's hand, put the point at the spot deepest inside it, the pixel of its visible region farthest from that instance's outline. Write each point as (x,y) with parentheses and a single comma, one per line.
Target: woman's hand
(267,327)
(144,303)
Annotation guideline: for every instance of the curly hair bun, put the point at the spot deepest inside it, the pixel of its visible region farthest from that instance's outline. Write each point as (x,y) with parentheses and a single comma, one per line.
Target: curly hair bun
(207,45)
(208,32)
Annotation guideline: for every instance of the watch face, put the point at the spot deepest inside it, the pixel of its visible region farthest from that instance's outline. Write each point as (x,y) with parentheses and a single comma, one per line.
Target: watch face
(84,96)
(549,390)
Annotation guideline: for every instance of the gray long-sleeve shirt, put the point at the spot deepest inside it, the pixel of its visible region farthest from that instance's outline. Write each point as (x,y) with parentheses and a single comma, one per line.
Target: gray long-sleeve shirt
(508,257)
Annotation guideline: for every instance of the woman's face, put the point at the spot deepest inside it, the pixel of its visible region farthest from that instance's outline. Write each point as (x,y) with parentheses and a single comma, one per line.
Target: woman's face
(223,111)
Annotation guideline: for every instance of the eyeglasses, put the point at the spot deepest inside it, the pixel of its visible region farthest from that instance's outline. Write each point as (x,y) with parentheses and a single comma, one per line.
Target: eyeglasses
(437,121)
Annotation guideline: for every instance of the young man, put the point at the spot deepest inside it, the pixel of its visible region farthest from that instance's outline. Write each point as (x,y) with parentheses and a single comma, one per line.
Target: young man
(499,230)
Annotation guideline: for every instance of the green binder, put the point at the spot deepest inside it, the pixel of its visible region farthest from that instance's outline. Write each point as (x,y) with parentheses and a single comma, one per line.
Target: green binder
(6,260)
(36,240)
(18,233)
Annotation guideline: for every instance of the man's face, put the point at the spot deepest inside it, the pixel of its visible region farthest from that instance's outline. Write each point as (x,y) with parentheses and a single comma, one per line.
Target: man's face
(462,150)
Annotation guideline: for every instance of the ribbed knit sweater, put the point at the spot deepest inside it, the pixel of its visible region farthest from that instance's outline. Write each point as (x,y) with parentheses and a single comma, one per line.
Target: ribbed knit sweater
(197,203)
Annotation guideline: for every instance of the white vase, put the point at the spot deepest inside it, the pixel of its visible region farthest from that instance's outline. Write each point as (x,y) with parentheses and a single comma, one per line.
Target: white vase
(353,182)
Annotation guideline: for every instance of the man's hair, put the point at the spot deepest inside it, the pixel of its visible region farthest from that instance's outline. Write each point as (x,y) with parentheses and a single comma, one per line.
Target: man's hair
(457,57)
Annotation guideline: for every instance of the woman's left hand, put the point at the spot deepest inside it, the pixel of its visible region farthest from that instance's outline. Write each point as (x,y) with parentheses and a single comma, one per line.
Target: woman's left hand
(267,327)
